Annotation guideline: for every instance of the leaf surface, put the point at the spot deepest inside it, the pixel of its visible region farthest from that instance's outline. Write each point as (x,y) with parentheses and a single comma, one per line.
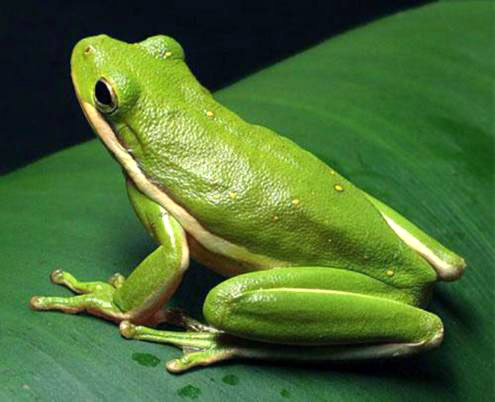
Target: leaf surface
(403,107)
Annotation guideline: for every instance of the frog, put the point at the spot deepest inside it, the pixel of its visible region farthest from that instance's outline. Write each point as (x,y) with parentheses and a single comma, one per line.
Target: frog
(316,269)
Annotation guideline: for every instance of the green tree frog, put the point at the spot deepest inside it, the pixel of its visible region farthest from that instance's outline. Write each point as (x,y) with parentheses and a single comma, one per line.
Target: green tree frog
(317,268)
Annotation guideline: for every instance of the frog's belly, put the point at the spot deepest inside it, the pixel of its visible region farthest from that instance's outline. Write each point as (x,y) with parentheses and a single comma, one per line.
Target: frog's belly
(221,264)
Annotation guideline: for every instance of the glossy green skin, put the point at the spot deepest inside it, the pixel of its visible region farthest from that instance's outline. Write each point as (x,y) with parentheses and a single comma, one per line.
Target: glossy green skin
(333,251)
(162,118)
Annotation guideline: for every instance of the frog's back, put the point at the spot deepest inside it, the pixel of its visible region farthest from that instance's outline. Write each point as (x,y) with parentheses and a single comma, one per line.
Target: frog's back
(256,189)
(244,184)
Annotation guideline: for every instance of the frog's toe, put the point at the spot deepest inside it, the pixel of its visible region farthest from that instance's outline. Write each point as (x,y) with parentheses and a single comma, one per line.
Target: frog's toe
(54,303)
(99,304)
(57,277)
(36,303)
(195,359)
(127,329)
(60,277)
(116,280)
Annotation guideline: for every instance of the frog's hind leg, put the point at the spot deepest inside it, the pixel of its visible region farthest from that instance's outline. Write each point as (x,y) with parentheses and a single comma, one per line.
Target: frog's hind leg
(319,306)
(140,297)
(305,313)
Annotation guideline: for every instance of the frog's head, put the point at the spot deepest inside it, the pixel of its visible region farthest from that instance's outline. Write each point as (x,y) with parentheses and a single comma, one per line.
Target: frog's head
(128,90)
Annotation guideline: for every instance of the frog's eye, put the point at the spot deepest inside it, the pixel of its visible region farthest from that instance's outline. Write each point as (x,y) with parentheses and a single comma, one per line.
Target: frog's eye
(105,97)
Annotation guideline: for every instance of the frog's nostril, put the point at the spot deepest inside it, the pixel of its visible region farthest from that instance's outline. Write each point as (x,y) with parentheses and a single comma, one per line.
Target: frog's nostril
(88,50)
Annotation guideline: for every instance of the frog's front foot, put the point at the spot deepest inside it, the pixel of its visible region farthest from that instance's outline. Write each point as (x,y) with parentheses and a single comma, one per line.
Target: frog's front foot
(201,348)
(93,297)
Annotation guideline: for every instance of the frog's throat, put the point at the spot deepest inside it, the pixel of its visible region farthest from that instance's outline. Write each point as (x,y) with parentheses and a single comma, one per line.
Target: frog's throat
(208,240)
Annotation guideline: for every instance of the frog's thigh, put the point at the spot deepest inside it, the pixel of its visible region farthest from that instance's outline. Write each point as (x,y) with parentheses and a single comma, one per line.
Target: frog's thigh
(299,306)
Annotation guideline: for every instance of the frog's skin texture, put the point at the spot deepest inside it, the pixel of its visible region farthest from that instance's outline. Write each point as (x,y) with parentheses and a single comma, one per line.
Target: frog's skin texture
(318,268)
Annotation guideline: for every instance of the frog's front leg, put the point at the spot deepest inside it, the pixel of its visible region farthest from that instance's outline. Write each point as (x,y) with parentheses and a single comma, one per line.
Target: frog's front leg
(138,298)
(305,313)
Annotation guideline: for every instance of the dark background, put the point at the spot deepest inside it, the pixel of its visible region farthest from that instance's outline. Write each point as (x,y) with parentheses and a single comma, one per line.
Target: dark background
(224,41)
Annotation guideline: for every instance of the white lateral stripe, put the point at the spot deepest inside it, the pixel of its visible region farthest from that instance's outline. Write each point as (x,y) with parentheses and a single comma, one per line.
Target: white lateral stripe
(443,268)
(322,291)
(184,248)
(307,290)
(189,223)
(326,291)
(166,223)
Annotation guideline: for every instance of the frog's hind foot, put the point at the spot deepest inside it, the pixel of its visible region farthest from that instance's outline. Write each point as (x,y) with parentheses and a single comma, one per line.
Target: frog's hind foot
(93,297)
(205,348)
(201,348)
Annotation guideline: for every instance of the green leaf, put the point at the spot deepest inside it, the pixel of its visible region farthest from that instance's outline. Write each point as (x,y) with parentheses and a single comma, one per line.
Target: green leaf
(403,107)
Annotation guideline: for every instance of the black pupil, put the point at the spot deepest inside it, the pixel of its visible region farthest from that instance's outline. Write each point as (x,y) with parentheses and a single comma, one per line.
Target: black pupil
(103,94)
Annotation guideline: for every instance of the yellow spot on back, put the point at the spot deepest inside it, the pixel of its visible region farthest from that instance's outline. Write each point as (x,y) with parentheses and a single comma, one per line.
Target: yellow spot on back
(390,273)
(210,114)
(168,54)
(233,195)
(296,202)
(275,218)
(338,188)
